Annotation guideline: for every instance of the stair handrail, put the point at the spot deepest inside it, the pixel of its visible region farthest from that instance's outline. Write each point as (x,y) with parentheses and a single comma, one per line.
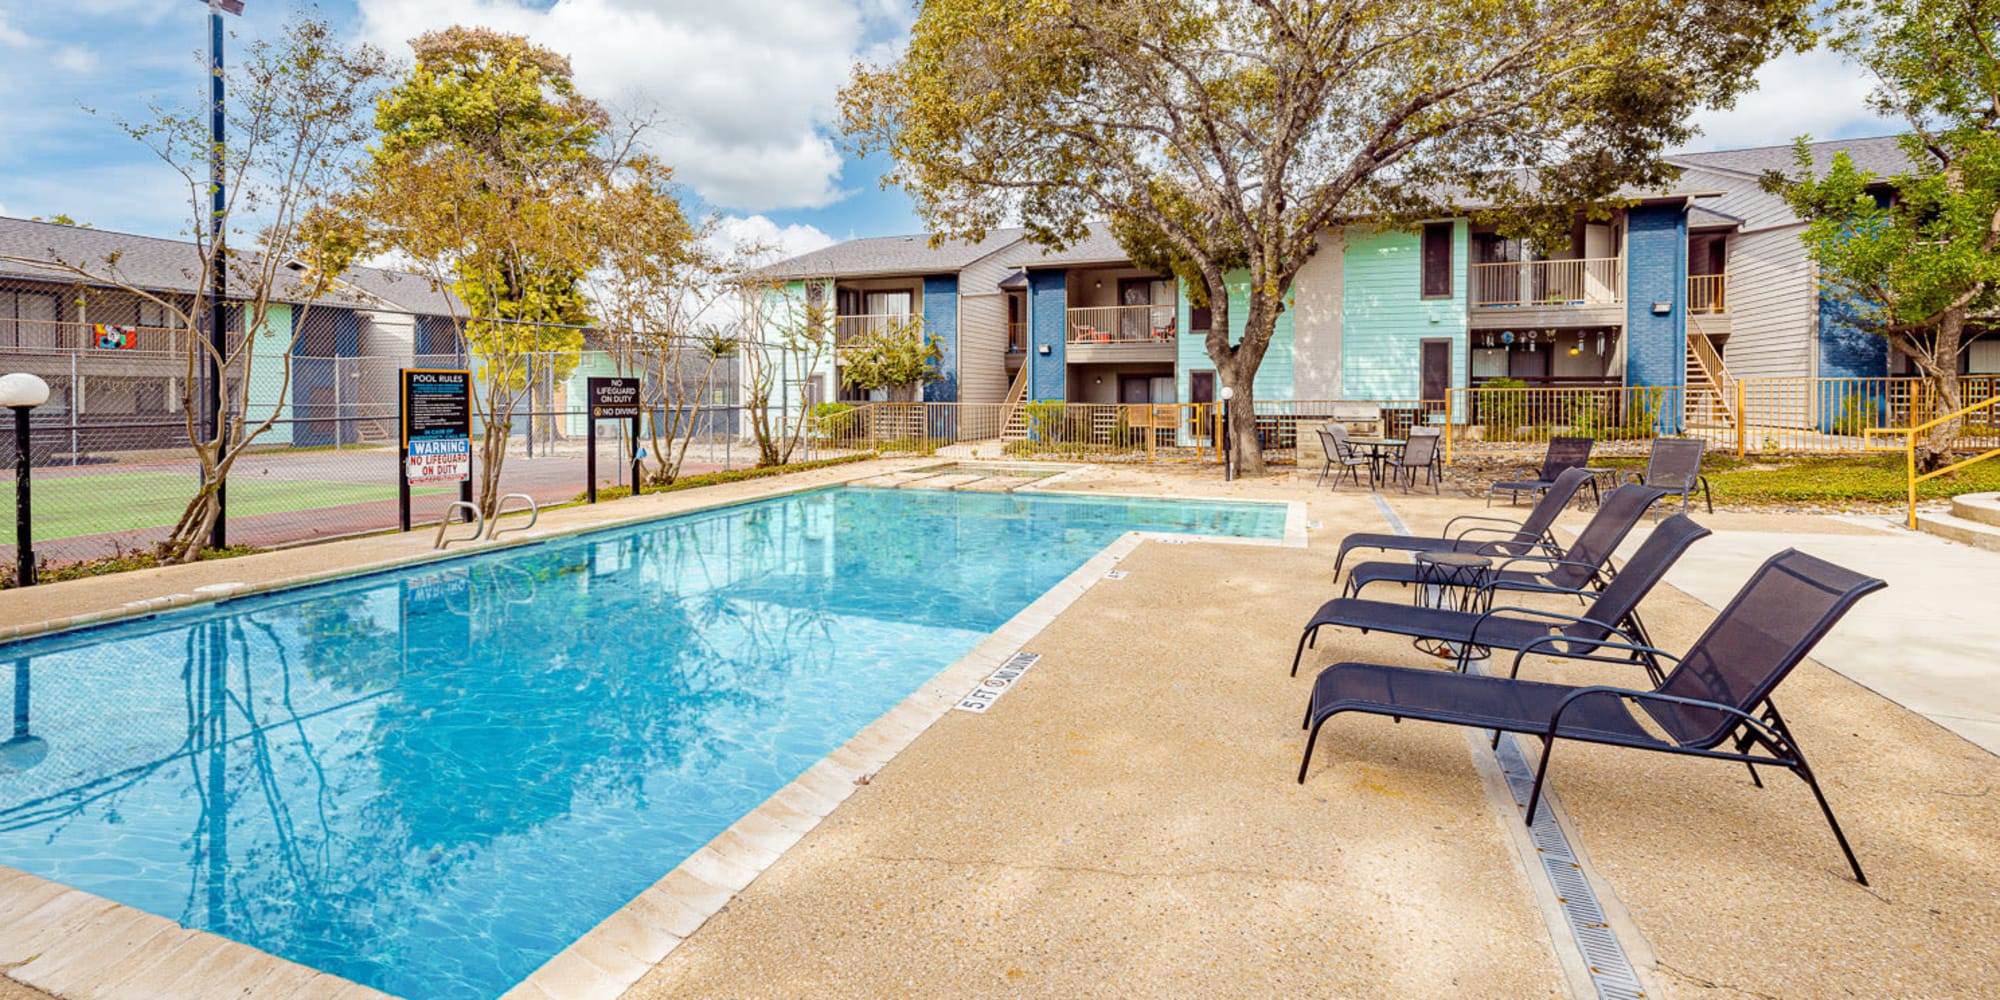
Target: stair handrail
(500,510)
(1910,448)
(438,541)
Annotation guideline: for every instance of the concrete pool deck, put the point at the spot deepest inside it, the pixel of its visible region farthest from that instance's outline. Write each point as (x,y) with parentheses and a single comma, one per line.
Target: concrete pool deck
(1126,822)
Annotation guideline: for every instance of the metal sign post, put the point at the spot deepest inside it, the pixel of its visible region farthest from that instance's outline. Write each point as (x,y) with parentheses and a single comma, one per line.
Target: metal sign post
(436,441)
(612,399)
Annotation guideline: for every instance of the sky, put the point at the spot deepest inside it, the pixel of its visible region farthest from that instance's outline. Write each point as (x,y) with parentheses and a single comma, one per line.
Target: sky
(745,91)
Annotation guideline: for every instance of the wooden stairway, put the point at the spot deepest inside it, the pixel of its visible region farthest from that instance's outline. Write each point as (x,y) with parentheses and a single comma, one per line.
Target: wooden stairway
(1711,393)
(1016,427)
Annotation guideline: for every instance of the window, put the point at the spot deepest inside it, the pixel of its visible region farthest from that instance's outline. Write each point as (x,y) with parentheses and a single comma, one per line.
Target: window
(888,304)
(1437,259)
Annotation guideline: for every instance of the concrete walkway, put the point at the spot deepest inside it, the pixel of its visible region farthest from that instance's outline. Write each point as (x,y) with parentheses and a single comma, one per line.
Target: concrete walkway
(1931,642)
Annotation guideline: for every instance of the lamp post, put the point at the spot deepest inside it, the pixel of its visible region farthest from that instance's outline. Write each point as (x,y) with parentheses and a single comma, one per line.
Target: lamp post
(218,339)
(1228,444)
(22,392)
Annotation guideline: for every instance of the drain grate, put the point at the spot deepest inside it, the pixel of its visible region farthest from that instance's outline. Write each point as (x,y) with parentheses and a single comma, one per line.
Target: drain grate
(1610,968)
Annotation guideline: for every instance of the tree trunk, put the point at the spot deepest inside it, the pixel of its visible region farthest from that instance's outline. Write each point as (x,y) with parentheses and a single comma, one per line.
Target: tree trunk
(1236,368)
(1934,450)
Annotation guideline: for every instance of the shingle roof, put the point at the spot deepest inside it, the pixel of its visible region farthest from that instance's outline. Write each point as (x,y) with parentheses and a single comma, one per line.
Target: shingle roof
(1099,247)
(162,265)
(888,255)
(1881,155)
(1700,217)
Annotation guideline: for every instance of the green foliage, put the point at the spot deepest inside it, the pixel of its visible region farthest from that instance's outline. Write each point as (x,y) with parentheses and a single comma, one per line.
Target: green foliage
(835,421)
(898,357)
(1644,411)
(1505,414)
(1858,412)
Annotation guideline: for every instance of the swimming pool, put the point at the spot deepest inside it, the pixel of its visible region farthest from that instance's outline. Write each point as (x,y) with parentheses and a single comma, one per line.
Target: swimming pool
(431,780)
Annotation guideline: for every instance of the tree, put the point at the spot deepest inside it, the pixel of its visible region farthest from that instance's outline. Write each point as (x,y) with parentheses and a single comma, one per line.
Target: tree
(658,297)
(1233,134)
(487,178)
(296,119)
(1912,257)
(897,358)
(786,337)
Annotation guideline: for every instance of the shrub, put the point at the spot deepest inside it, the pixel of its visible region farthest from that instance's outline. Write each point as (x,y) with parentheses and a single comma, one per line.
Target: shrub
(835,421)
(1857,414)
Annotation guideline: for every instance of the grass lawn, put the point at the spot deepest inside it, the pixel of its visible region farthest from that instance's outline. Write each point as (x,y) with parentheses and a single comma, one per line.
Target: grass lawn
(1854,479)
(69,506)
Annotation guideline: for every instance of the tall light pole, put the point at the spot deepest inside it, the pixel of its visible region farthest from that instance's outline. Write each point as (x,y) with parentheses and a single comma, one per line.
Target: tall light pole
(22,392)
(218,338)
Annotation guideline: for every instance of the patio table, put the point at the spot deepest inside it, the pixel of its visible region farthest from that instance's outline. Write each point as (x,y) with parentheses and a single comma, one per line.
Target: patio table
(1379,450)
(1453,580)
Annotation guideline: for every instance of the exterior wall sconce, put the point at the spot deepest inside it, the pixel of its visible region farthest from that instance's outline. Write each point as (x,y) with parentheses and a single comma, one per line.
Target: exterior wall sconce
(1662,308)
(1042,349)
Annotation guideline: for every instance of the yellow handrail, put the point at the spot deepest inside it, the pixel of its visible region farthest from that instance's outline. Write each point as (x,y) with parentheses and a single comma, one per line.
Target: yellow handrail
(1910,450)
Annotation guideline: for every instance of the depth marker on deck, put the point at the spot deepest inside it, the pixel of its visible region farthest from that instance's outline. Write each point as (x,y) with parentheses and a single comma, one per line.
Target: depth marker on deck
(998,683)
(1590,932)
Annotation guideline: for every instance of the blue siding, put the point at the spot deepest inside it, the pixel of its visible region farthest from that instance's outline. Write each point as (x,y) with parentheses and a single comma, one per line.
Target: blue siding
(1845,350)
(941,325)
(1048,313)
(1656,271)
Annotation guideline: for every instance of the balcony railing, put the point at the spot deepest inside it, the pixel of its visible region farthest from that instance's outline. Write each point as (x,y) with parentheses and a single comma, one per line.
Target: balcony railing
(847,328)
(1017,337)
(1587,281)
(1122,325)
(1708,293)
(62,336)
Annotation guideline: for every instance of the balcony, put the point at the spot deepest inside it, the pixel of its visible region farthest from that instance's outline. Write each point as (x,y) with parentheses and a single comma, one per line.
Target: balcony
(1587,291)
(1708,304)
(1121,333)
(848,328)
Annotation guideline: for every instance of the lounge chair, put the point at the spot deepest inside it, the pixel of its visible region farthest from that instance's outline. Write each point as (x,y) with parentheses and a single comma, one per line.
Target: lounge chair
(1613,613)
(1716,703)
(1488,537)
(1419,454)
(1340,455)
(1585,565)
(1675,466)
(1564,453)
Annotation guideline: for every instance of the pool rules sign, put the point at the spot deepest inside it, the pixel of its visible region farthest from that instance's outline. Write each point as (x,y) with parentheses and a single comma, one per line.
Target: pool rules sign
(436,443)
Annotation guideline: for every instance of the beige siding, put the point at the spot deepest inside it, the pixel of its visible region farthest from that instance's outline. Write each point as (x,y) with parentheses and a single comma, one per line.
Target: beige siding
(982,329)
(1773,305)
(1316,297)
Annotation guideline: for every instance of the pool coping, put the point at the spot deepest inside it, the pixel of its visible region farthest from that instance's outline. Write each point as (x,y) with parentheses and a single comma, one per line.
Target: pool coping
(64,940)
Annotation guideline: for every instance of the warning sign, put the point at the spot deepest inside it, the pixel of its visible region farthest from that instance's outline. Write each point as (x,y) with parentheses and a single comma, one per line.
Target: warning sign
(614,398)
(440,460)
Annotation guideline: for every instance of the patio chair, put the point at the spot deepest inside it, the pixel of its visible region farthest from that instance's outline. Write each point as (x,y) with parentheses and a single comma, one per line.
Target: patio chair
(1419,454)
(1333,440)
(1584,566)
(1614,612)
(1675,466)
(1716,703)
(1437,453)
(1514,539)
(1564,453)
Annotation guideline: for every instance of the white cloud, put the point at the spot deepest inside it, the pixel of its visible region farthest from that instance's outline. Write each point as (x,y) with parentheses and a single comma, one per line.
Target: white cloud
(747,87)
(735,231)
(1814,93)
(76,59)
(12,37)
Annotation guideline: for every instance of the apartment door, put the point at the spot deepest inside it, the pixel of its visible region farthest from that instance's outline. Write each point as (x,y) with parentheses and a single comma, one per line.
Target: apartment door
(1135,389)
(1436,371)
(1201,389)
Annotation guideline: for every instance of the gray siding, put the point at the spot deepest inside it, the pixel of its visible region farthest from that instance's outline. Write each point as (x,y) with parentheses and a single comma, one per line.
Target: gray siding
(1773,298)
(982,329)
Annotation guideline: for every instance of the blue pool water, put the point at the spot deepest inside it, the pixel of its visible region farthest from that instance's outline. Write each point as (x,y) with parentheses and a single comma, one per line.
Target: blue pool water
(432,780)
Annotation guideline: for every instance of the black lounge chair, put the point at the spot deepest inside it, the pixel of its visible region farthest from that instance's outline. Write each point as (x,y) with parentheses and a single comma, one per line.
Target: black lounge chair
(1340,456)
(1614,612)
(1564,453)
(1585,565)
(1716,703)
(1515,539)
(1675,466)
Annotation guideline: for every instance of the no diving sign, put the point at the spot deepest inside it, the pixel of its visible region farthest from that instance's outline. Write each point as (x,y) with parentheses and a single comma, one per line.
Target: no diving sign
(999,683)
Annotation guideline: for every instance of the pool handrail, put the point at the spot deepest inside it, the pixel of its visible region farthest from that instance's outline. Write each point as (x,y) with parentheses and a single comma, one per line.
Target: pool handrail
(500,510)
(438,541)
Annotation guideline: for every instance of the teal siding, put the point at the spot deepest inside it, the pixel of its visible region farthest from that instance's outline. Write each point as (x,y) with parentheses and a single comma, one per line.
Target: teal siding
(1385,318)
(1274,376)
